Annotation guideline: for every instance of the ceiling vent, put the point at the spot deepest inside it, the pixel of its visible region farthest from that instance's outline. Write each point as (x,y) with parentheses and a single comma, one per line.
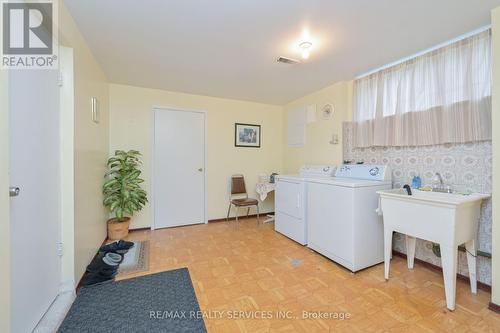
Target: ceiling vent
(289,61)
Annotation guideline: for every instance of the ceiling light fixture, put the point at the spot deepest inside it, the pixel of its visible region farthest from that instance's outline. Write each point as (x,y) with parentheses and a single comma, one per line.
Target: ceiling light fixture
(305,49)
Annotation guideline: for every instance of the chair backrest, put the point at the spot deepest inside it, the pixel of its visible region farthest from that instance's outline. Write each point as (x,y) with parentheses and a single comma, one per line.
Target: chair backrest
(238,185)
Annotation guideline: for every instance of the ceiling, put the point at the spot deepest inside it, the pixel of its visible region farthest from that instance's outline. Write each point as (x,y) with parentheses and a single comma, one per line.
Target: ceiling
(228,48)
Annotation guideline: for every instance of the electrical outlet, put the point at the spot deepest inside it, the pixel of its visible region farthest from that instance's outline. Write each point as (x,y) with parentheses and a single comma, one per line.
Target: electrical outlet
(335,139)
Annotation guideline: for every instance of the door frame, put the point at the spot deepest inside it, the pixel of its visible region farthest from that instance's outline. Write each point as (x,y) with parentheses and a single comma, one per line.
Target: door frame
(156,109)
(67,156)
(5,277)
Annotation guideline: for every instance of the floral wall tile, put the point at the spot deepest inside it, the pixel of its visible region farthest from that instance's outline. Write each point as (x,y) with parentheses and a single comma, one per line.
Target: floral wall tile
(467,167)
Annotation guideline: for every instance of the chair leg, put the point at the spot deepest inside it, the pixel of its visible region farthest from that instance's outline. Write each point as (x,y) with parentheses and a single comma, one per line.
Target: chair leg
(257,206)
(248,211)
(228,211)
(237,209)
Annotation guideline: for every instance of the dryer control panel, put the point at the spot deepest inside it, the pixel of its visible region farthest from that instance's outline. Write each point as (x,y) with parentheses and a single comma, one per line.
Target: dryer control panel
(317,171)
(364,171)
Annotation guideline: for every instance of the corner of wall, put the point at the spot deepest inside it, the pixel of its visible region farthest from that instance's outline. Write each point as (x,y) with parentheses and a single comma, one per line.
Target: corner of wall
(91,144)
(317,149)
(495,23)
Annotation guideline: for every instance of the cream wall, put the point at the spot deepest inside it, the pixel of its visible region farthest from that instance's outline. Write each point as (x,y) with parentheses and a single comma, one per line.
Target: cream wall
(131,128)
(318,149)
(90,146)
(495,21)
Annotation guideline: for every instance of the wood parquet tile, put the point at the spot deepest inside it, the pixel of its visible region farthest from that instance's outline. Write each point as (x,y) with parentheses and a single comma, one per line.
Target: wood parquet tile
(248,269)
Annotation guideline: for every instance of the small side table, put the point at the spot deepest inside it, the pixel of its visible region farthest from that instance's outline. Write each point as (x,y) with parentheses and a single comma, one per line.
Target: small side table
(263,189)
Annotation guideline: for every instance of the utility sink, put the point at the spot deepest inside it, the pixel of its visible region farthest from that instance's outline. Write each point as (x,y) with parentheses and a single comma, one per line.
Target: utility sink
(434,198)
(449,219)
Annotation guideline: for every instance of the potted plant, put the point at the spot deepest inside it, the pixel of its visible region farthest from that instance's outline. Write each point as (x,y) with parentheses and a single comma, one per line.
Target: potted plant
(122,191)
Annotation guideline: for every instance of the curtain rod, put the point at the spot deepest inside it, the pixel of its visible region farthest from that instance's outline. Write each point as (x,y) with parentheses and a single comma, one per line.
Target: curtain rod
(418,54)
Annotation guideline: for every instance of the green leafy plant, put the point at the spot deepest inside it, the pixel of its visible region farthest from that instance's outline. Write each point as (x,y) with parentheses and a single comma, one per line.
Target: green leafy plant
(122,189)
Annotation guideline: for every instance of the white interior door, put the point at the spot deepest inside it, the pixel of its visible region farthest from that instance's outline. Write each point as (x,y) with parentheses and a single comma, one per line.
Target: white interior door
(179,167)
(35,212)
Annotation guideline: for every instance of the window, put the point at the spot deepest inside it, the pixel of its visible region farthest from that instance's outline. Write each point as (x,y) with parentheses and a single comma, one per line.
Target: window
(443,96)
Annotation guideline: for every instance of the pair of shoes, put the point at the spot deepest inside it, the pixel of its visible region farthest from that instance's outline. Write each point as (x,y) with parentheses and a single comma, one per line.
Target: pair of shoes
(120,247)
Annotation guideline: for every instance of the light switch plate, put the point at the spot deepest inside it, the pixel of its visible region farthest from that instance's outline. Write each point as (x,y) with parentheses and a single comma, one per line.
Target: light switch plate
(95,109)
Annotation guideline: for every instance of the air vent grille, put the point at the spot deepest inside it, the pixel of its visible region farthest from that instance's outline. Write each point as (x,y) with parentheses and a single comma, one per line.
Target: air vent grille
(289,61)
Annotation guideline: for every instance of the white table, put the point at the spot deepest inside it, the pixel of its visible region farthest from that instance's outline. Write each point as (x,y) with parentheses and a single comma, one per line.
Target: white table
(263,189)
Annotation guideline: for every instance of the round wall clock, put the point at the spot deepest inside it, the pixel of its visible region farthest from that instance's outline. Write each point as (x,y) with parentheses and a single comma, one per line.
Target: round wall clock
(327,111)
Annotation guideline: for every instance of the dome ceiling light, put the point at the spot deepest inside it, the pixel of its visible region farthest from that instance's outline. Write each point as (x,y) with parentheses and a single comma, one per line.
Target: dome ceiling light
(305,48)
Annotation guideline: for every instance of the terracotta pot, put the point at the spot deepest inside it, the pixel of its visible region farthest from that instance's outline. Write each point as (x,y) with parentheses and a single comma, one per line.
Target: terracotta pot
(118,230)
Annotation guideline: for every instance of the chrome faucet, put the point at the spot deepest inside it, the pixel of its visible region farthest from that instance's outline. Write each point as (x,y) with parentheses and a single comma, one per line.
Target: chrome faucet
(439,178)
(438,184)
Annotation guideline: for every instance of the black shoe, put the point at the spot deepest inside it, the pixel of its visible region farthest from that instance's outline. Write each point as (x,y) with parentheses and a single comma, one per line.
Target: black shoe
(123,244)
(120,247)
(95,278)
(112,258)
(99,266)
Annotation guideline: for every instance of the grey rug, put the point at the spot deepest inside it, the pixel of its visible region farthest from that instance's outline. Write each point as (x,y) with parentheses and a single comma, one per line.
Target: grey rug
(162,302)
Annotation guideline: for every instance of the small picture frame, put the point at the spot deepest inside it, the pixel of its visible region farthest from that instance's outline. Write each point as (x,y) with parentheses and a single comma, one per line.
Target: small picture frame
(246,135)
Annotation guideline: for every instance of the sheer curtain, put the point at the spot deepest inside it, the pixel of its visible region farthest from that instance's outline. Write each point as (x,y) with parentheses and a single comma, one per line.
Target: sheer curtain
(443,96)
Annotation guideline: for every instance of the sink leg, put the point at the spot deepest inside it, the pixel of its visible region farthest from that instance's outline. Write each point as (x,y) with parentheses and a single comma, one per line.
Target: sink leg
(470,246)
(410,250)
(387,251)
(449,258)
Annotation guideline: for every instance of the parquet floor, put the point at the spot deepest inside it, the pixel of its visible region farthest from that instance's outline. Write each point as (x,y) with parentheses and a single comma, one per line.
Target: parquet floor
(260,281)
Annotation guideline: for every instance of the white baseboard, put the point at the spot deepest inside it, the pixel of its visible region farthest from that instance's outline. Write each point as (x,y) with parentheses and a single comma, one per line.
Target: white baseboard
(67,286)
(56,313)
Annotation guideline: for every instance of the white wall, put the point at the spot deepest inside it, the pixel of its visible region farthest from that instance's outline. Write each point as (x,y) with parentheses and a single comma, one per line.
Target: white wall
(131,128)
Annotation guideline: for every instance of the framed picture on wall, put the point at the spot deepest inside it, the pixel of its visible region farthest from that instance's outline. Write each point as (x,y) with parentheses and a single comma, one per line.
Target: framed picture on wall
(246,135)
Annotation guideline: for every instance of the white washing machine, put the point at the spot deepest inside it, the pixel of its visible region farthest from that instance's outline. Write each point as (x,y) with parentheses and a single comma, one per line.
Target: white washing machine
(290,201)
(342,222)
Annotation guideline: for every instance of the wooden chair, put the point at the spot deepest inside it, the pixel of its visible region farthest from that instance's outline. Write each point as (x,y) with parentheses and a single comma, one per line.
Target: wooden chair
(238,188)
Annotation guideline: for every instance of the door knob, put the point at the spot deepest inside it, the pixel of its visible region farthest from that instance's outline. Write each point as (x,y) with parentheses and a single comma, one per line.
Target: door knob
(200,169)
(14,191)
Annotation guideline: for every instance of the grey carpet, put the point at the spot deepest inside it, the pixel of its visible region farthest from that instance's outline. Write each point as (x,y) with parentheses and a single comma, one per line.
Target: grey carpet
(162,302)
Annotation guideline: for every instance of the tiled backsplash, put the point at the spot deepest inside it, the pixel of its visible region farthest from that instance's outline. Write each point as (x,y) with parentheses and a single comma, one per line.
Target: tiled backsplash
(467,167)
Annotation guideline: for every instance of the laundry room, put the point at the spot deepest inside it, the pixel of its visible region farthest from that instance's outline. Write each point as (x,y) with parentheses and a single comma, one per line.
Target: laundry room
(250,166)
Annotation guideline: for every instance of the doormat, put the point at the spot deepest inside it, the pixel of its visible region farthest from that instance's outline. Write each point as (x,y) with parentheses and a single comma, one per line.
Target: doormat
(136,259)
(140,304)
